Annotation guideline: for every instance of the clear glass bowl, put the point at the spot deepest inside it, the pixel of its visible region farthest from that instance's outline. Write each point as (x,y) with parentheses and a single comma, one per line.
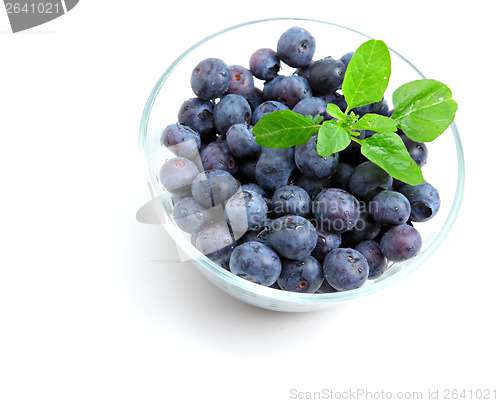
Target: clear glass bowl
(234,45)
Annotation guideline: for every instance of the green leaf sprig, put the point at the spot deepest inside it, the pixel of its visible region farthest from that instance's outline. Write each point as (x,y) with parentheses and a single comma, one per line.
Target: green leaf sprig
(423,110)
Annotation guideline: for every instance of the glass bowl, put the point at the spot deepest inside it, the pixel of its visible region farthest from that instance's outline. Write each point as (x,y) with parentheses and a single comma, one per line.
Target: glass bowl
(446,173)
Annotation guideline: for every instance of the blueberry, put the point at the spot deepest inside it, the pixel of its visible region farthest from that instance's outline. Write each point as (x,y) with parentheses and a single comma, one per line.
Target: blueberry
(253,187)
(260,234)
(327,241)
(247,168)
(368,179)
(326,76)
(313,106)
(177,174)
(241,81)
(216,242)
(345,269)
(186,192)
(341,177)
(389,207)
(418,151)
(347,58)
(305,275)
(275,286)
(198,114)
(256,262)
(241,141)
(270,90)
(193,239)
(255,98)
(246,210)
(400,243)
(217,155)
(353,150)
(325,288)
(291,200)
(211,188)
(424,200)
(337,99)
(377,262)
(296,47)
(312,186)
(380,108)
(274,168)
(385,110)
(336,210)
(190,216)
(266,108)
(181,140)
(210,78)
(293,237)
(292,89)
(304,71)
(231,109)
(365,229)
(313,165)
(353,147)
(353,158)
(265,64)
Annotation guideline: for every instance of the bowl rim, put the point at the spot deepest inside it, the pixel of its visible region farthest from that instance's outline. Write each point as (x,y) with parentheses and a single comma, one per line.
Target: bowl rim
(276,294)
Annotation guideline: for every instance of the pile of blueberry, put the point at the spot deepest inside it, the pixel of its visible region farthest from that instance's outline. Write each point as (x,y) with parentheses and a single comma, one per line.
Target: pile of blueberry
(286,218)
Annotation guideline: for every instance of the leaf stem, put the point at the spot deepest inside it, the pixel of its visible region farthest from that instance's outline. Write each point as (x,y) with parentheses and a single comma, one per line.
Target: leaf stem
(347,110)
(356,140)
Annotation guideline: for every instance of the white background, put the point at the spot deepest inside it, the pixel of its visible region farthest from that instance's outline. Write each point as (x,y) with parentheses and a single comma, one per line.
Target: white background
(89,310)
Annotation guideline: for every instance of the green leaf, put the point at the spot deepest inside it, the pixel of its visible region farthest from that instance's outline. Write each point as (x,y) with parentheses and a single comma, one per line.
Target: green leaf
(315,119)
(332,138)
(318,119)
(423,109)
(367,75)
(377,123)
(335,112)
(351,119)
(283,129)
(387,150)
